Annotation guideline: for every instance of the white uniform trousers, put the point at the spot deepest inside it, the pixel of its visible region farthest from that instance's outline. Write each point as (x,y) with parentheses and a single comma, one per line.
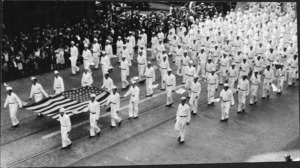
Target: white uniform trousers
(58,90)
(141,69)
(184,68)
(211,89)
(153,51)
(163,72)
(225,107)
(125,83)
(292,75)
(223,74)
(188,83)
(231,82)
(201,70)
(180,126)
(133,107)
(149,88)
(266,87)
(74,68)
(104,70)
(13,109)
(65,140)
(194,102)
(119,53)
(94,129)
(178,65)
(114,116)
(169,92)
(253,93)
(96,59)
(86,63)
(242,100)
(38,97)
(280,81)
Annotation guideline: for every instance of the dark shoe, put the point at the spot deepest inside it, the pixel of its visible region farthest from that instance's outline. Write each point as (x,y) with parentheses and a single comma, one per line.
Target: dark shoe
(208,104)
(123,88)
(194,113)
(129,118)
(251,104)
(226,120)
(181,142)
(119,124)
(162,89)
(293,83)
(151,95)
(170,104)
(40,116)
(212,103)
(112,126)
(15,126)
(98,134)
(290,85)
(179,139)
(62,148)
(222,120)
(69,146)
(278,93)
(263,98)
(136,117)
(243,110)
(91,136)
(268,96)
(255,102)
(183,83)
(239,112)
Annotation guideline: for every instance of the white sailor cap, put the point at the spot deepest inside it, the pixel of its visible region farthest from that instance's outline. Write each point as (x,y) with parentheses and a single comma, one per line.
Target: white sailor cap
(179,45)
(169,70)
(209,58)
(93,95)
(72,42)
(107,41)
(106,73)
(123,56)
(62,110)
(85,45)
(103,52)
(149,62)
(33,78)
(95,39)
(114,87)
(133,82)
(226,85)
(196,76)
(191,62)
(119,37)
(183,98)
(233,63)
(8,88)
(185,51)
(56,72)
(130,31)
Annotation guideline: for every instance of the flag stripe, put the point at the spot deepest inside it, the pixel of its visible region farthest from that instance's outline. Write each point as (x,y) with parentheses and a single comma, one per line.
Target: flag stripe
(54,104)
(42,105)
(57,107)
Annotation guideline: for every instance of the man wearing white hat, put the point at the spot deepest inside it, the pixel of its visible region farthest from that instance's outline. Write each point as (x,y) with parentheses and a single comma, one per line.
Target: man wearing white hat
(195,93)
(107,83)
(269,78)
(129,48)
(119,48)
(258,64)
(209,66)
(244,68)
(161,35)
(150,79)
(108,50)
(185,62)
(14,103)
(190,73)
(244,89)
(65,128)
(132,40)
(142,63)
(58,85)
(159,50)
(170,81)
(37,91)
(280,75)
(163,66)
(183,117)
(140,42)
(202,59)
(212,86)
(94,109)
(87,79)
(255,81)
(114,102)
(293,71)
(144,37)
(73,58)
(124,72)
(224,67)
(87,57)
(134,91)
(178,59)
(227,100)
(105,62)
(96,49)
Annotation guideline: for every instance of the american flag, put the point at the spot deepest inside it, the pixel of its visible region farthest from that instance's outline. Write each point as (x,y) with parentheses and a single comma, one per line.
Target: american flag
(72,100)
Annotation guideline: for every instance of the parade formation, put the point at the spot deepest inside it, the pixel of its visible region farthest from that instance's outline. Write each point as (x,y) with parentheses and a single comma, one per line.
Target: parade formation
(236,53)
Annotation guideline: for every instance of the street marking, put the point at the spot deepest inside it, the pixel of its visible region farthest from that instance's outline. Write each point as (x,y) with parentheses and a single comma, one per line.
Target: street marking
(106,114)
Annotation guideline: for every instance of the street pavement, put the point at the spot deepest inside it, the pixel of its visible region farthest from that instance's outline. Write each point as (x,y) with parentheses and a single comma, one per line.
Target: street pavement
(270,126)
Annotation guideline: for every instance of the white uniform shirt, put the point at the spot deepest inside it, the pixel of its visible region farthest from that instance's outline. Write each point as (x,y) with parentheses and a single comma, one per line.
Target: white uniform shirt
(150,73)
(183,111)
(120,44)
(96,48)
(170,80)
(243,85)
(86,80)
(74,52)
(255,80)
(36,89)
(134,92)
(227,96)
(196,88)
(58,83)
(269,75)
(108,49)
(12,99)
(86,54)
(125,66)
(114,100)
(65,122)
(213,79)
(142,60)
(107,84)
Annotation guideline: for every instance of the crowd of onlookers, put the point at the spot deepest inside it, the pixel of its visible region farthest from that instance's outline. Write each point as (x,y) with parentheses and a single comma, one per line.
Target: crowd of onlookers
(36,52)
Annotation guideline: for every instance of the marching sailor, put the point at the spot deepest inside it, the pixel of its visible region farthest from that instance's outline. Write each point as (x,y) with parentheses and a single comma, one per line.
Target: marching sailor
(37,91)
(65,128)
(114,102)
(183,117)
(58,85)
(170,82)
(14,103)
